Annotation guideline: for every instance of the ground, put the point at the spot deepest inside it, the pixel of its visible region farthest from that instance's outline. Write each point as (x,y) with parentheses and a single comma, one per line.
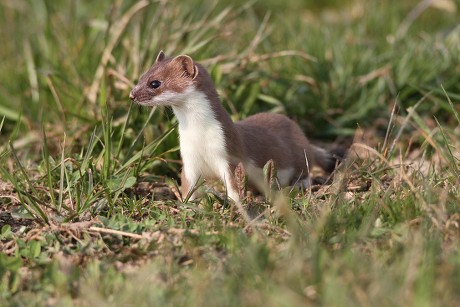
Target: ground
(90,209)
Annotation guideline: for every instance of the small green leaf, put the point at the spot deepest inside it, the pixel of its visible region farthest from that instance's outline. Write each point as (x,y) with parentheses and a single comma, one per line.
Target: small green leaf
(21,213)
(6,232)
(9,264)
(35,248)
(120,183)
(131,181)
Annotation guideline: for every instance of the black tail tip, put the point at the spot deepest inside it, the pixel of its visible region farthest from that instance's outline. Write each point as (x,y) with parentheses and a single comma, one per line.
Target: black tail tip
(336,156)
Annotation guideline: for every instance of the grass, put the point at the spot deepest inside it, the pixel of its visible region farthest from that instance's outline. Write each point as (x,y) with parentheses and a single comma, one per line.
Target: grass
(89,209)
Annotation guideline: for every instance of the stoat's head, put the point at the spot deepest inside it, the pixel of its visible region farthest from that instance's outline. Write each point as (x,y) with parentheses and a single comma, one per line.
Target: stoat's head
(167,82)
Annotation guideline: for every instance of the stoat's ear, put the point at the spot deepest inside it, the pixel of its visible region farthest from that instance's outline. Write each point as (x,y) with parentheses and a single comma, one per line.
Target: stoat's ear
(160,57)
(186,65)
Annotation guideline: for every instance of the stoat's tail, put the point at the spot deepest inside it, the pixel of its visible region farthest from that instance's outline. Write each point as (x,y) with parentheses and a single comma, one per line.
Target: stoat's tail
(329,159)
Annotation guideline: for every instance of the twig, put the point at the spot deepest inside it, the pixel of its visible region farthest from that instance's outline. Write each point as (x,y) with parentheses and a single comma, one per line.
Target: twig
(116,232)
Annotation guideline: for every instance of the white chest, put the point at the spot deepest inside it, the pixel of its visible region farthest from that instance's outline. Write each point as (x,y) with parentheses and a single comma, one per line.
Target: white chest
(202,140)
(203,150)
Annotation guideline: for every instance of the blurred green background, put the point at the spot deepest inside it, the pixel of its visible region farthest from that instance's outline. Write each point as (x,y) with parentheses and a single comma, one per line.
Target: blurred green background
(331,65)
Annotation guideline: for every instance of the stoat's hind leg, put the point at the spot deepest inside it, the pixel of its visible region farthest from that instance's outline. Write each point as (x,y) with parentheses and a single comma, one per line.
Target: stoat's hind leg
(303,183)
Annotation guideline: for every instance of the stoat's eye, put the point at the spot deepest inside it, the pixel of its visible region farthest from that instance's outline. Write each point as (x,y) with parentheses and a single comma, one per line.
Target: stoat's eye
(154,84)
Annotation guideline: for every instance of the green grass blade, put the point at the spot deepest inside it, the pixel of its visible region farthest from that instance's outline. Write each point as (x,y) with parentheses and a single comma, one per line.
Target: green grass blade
(87,156)
(1,124)
(139,136)
(149,149)
(453,161)
(123,130)
(107,131)
(36,207)
(454,110)
(62,177)
(46,159)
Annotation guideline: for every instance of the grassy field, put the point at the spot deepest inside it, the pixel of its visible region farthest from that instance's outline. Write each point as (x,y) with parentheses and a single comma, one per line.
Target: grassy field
(89,204)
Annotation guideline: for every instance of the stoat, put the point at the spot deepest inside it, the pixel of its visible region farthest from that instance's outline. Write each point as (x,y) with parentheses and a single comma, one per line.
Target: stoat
(211,144)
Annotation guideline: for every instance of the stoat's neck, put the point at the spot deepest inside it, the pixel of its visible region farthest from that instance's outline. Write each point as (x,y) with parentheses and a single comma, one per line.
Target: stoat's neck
(196,110)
